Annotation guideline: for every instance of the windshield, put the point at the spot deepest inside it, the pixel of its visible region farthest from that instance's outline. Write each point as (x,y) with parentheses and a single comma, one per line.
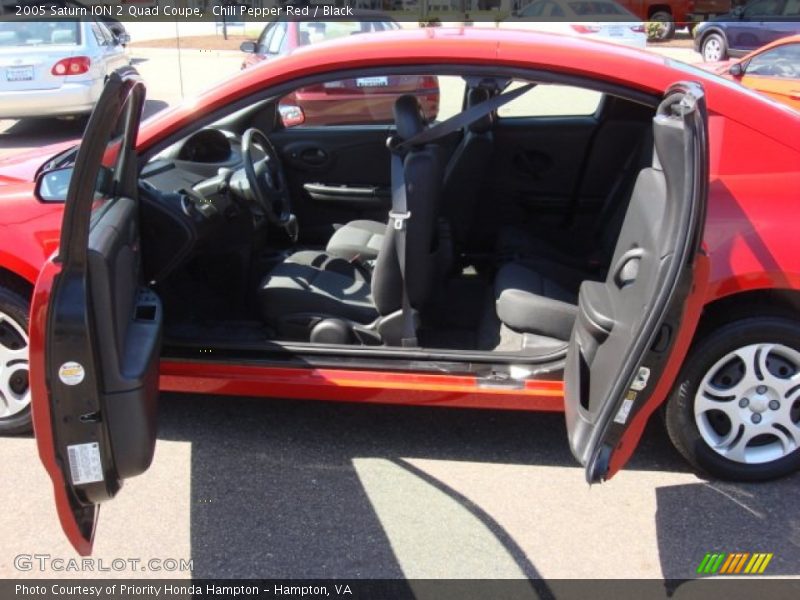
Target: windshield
(33,33)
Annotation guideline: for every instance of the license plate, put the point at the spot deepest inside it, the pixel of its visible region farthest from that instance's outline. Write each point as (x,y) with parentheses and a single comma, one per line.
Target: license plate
(616,31)
(19,73)
(372,81)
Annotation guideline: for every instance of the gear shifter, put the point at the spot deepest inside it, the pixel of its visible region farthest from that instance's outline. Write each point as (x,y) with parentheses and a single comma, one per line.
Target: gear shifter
(292,228)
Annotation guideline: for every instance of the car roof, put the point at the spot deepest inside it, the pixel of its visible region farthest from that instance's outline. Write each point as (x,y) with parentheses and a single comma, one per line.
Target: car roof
(639,70)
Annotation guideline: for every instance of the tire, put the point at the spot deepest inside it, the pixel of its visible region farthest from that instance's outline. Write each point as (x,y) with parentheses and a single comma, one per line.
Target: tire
(667,28)
(15,408)
(714,48)
(735,411)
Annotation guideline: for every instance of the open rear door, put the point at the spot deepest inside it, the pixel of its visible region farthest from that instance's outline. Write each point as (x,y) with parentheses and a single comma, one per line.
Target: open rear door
(95,329)
(633,329)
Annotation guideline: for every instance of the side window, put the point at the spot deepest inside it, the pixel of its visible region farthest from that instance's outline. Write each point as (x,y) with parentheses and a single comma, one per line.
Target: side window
(276,41)
(792,8)
(551,101)
(98,35)
(782,62)
(370,100)
(532,10)
(266,36)
(552,9)
(106,32)
(765,8)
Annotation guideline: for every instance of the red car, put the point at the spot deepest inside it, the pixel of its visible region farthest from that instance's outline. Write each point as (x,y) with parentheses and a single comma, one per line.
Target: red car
(350,100)
(590,232)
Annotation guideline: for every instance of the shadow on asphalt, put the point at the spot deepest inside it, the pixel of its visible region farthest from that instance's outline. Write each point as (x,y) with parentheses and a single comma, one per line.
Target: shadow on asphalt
(274,481)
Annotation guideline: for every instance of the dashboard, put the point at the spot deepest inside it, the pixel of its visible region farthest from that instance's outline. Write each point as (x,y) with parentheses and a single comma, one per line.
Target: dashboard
(190,161)
(191,206)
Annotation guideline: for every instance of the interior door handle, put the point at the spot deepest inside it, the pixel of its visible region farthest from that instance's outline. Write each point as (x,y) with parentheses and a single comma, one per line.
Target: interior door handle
(314,156)
(627,268)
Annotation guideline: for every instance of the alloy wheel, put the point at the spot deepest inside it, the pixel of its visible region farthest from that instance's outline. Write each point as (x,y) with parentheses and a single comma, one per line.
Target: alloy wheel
(747,406)
(712,50)
(15,393)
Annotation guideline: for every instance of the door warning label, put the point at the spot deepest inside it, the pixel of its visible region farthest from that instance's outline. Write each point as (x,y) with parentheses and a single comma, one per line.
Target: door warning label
(84,463)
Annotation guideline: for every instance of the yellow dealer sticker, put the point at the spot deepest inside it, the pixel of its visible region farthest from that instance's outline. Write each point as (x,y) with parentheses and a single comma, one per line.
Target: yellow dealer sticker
(71,373)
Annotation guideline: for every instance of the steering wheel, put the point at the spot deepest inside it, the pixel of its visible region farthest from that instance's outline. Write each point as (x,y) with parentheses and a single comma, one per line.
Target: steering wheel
(266,178)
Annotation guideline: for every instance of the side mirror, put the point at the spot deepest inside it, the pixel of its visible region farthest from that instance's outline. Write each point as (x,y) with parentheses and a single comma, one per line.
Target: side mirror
(738,11)
(249,47)
(123,39)
(53,185)
(291,115)
(736,70)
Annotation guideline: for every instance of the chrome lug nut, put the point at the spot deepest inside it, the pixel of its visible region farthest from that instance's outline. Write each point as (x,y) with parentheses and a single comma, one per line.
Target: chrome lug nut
(762,389)
(756,418)
(744,403)
(774,404)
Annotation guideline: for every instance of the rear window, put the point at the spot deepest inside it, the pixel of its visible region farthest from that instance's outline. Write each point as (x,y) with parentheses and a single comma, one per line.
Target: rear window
(33,33)
(313,32)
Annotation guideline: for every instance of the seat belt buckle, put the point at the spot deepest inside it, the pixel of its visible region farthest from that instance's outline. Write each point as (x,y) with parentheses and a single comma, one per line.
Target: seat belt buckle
(399,219)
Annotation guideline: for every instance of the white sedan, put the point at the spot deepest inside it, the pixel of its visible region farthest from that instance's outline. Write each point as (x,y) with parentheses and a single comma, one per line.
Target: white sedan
(595,19)
(52,69)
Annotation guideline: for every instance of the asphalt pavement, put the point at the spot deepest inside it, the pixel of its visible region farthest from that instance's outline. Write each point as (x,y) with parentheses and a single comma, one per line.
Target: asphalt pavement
(258,488)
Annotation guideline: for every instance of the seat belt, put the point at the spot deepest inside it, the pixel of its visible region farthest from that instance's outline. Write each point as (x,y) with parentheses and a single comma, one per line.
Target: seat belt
(399,215)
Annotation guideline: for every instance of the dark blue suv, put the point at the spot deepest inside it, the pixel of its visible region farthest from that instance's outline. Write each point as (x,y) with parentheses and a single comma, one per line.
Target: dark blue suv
(746,28)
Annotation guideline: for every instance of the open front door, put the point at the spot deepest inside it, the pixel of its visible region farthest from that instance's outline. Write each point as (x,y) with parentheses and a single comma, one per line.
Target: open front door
(633,330)
(95,329)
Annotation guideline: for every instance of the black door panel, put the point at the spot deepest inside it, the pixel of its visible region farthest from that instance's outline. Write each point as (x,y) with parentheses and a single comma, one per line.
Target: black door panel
(535,169)
(336,175)
(622,339)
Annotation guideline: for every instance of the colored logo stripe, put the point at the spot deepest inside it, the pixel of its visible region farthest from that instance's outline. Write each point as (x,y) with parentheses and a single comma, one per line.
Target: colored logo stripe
(734,563)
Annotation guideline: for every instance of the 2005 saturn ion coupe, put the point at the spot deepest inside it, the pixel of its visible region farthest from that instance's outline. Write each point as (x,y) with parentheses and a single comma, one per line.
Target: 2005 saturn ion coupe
(587,230)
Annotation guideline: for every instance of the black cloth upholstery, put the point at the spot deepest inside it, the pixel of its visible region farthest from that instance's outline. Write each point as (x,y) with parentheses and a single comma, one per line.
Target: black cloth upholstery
(424,171)
(466,172)
(319,284)
(310,282)
(463,179)
(357,239)
(539,297)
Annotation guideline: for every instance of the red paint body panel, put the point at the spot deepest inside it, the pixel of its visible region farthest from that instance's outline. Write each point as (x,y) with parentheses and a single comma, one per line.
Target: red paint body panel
(360,386)
(753,198)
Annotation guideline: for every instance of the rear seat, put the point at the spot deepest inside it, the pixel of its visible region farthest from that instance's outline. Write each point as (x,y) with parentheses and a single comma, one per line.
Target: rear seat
(538,291)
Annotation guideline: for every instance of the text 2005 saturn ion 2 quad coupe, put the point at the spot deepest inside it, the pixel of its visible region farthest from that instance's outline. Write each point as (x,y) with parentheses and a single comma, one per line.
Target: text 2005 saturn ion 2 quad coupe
(590,214)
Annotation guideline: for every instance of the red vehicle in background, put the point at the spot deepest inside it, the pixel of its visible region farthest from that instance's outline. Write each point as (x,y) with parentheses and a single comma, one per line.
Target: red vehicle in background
(323,104)
(672,14)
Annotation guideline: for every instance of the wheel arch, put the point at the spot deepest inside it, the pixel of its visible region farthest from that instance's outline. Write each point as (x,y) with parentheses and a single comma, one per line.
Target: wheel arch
(656,8)
(16,283)
(772,302)
(707,32)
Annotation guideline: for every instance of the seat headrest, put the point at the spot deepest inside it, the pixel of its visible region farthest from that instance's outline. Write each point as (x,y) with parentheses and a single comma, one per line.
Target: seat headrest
(476,96)
(408,117)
